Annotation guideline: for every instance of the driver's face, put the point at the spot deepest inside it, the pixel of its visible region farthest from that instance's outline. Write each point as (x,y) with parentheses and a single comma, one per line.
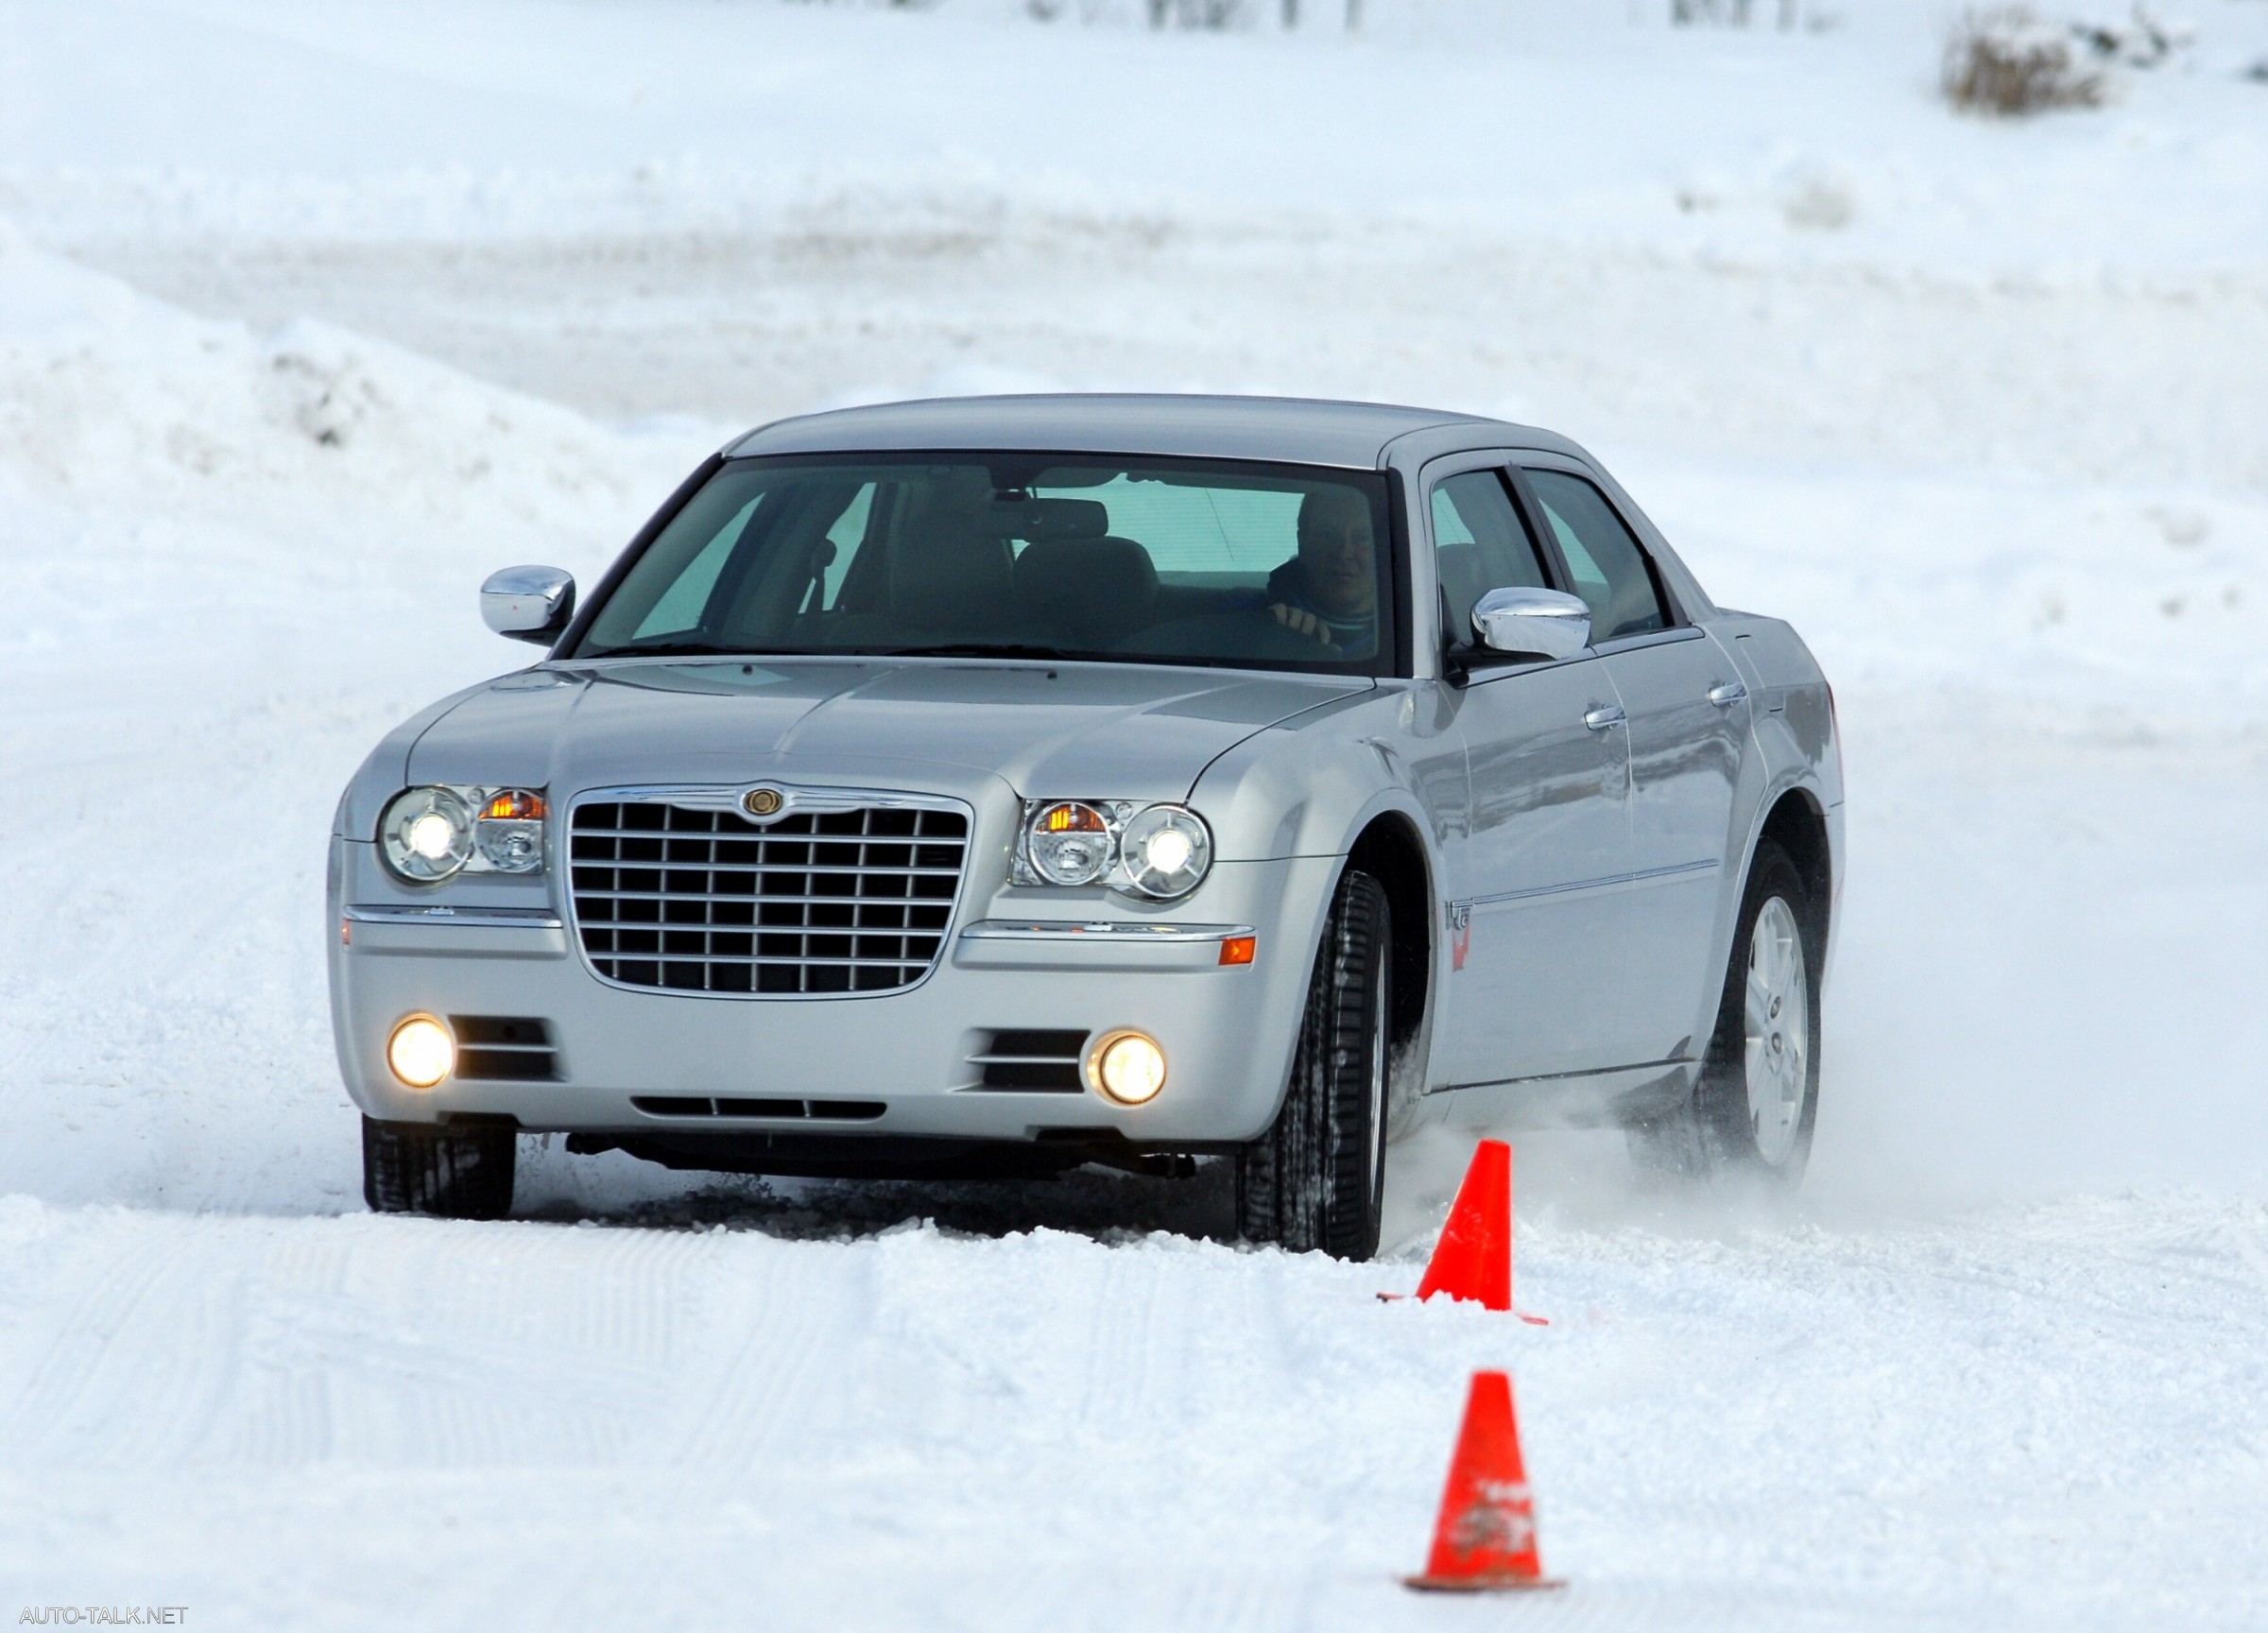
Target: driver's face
(1338,553)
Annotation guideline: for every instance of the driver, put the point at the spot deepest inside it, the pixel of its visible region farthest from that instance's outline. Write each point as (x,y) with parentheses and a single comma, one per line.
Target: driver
(1329,589)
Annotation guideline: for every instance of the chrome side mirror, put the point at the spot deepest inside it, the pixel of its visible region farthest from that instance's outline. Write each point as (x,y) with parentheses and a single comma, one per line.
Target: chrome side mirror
(1531,623)
(528,603)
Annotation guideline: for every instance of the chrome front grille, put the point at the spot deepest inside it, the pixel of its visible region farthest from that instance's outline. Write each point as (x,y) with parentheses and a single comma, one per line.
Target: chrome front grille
(679,892)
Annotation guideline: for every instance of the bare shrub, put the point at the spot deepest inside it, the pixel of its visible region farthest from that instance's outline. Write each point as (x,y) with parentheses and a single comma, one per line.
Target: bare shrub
(1685,13)
(1219,15)
(2007,62)
(2142,41)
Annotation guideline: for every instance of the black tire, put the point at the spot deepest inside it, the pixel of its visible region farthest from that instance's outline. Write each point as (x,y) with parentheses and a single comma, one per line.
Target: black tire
(1316,1178)
(453,1171)
(1716,1134)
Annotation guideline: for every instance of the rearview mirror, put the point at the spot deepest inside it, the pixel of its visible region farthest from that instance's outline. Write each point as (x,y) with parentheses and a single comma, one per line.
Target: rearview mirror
(528,603)
(1522,623)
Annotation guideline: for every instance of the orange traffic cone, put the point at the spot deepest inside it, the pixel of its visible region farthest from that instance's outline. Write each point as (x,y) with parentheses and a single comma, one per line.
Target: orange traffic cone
(1473,1259)
(1486,1536)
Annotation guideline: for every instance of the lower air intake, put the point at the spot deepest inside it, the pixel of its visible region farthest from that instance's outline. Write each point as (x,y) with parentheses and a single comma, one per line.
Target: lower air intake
(800,1110)
(1031,1062)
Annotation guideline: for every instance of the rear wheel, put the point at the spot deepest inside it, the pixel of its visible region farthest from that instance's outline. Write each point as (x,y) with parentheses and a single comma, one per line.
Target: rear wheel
(1759,1096)
(454,1171)
(1316,1178)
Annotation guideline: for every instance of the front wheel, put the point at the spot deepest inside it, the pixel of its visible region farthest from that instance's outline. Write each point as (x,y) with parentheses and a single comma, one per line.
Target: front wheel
(454,1171)
(1316,1178)
(1759,1096)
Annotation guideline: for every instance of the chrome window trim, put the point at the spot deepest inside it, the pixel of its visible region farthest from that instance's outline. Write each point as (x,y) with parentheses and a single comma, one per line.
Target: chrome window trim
(1649,638)
(801,798)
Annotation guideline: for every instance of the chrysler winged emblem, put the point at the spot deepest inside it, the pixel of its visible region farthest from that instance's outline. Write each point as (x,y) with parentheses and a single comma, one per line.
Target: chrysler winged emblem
(763,801)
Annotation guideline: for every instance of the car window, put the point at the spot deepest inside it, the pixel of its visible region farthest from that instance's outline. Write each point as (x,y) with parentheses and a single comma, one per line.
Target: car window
(1197,534)
(1609,570)
(1480,544)
(1141,560)
(681,606)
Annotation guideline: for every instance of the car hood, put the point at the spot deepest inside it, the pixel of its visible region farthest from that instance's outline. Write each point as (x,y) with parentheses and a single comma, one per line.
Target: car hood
(1097,731)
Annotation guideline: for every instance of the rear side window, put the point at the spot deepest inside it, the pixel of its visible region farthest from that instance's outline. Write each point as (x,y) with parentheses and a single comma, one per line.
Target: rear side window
(1479,545)
(1611,572)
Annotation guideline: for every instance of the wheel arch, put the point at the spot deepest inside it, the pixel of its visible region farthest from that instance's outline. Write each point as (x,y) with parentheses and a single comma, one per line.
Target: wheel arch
(1391,850)
(1797,822)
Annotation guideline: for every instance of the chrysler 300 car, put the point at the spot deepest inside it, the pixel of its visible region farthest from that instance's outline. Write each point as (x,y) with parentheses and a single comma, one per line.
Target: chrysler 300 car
(995,787)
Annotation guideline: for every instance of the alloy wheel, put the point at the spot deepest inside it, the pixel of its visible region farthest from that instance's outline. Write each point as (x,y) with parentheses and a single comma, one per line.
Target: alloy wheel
(1778,1011)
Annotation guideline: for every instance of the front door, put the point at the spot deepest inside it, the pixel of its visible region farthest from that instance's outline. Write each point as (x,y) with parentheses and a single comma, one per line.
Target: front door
(1688,720)
(1537,920)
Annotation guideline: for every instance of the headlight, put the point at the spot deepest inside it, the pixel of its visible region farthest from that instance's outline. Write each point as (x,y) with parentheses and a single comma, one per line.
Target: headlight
(1069,843)
(1165,852)
(508,835)
(429,835)
(1155,851)
(426,834)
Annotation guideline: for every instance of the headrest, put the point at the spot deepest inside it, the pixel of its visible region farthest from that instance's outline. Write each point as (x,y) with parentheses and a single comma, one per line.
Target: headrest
(1097,592)
(1051,519)
(951,580)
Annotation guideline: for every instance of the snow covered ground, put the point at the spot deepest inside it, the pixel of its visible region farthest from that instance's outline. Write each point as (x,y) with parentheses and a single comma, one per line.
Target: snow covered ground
(309,315)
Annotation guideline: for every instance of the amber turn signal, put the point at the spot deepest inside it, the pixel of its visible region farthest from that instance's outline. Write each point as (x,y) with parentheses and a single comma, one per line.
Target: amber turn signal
(1239,949)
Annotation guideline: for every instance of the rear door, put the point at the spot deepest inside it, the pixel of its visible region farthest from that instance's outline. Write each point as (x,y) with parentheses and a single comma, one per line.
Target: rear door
(1537,925)
(1687,722)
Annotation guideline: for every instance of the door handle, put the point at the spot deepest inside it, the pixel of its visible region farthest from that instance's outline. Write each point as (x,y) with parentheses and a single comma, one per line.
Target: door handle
(1599,719)
(1726,695)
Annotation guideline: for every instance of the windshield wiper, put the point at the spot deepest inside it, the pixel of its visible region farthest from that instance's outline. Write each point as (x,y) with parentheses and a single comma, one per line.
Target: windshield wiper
(979,649)
(951,649)
(673,650)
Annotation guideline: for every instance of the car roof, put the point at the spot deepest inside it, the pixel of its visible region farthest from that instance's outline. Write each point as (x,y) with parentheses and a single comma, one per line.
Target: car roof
(1289,429)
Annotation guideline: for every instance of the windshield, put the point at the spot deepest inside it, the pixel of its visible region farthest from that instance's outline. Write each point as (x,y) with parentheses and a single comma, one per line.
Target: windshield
(1148,560)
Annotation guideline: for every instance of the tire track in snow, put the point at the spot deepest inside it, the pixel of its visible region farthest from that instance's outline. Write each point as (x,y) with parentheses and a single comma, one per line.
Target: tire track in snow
(489,1346)
(1127,1344)
(286,1413)
(775,1351)
(463,1345)
(133,1367)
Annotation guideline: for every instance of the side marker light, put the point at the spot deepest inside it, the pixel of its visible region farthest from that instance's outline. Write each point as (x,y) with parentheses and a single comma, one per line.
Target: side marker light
(1239,949)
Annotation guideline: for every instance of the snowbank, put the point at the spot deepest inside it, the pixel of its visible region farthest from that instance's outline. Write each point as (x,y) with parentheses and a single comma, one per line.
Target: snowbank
(233,562)
(1592,123)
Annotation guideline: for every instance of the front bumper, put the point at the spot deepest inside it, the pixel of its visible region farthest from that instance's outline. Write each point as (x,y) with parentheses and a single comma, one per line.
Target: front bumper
(1016,960)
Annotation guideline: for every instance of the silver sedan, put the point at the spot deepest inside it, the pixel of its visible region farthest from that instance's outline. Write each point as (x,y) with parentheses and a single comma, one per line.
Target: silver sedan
(994,786)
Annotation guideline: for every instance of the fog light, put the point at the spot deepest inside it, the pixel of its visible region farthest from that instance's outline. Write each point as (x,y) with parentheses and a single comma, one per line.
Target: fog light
(1128,1067)
(421,1052)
